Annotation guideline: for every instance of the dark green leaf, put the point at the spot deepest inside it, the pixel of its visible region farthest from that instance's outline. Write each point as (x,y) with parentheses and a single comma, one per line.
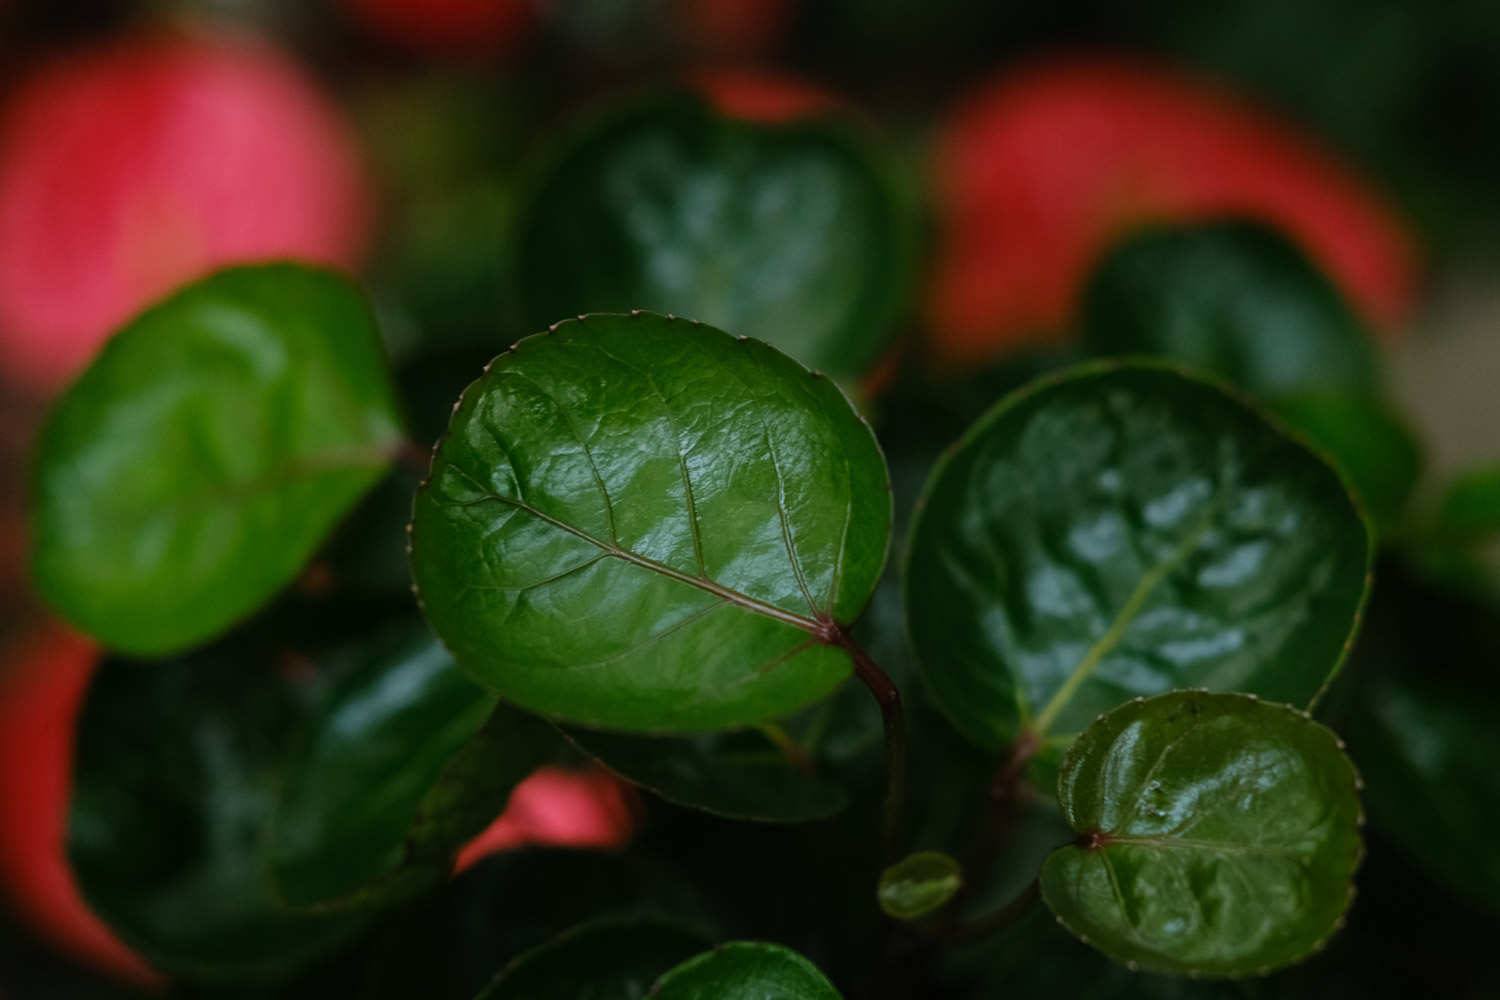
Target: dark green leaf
(175,785)
(919,884)
(1218,835)
(198,462)
(402,765)
(610,959)
(1122,530)
(739,775)
(646,524)
(746,970)
(792,233)
(1233,298)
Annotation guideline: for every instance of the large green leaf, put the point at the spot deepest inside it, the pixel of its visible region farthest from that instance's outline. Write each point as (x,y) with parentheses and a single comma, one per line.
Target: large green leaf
(792,233)
(192,469)
(739,775)
(1218,835)
(746,970)
(608,959)
(646,524)
(1123,530)
(1233,298)
(398,768)
(175,783)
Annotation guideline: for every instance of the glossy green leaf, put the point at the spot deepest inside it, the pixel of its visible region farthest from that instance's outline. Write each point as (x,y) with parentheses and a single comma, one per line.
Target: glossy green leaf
(609,959)
(1233,298)
(735,774)
(646,524)
(919,884)
(1470,510)
(399,767)
(1123,530)
(793,233)
(195,466)
(1218,835)
(175,785)
(746,970)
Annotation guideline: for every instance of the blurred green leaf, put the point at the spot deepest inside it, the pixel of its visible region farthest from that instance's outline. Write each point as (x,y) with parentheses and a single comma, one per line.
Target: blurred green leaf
(195,466)
(1218,835)
(1239,300)
(399,767)
(1471,508)
(1236,299)
(745,970)
(918,885)
(610,959)
(1121,530)
(793,233)
(175,784)
(645,524)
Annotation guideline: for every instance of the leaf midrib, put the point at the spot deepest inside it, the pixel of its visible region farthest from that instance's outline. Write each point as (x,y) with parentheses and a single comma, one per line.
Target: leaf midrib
(703,583)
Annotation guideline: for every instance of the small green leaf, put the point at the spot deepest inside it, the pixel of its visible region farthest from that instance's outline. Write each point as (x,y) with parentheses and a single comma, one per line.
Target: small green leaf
(1122,530)
(175,784)
(796,234)
(745,970)
(607,959)
(1470,510)
(398,768)
(919,884)
(738,775)
(645,524)
(195,466)
(1234,298)
(1218,835)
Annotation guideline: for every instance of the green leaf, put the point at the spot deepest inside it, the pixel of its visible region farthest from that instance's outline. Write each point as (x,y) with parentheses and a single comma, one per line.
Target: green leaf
(195,466)
(919,884)
(175,784)
(738,775)
(608,959)
(796,234)
(1218,835)
(1123,530)
(745,970)
(1233,298)
(402,765)
(1470,510)
(645,524)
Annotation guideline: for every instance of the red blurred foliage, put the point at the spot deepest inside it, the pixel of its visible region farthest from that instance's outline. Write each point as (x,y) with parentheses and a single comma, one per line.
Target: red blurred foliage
(453,28)
(128,169)
(760,96)
(1037,172)
(42,685)
(558,807)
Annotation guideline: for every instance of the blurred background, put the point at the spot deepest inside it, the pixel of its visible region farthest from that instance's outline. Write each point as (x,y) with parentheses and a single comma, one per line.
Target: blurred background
(410,143)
